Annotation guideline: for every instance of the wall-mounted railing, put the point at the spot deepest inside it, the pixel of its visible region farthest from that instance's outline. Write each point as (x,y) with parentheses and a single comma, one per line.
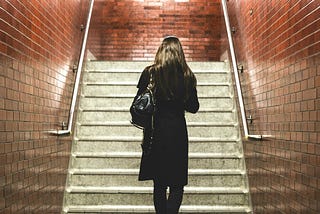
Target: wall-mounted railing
(236,76)
(78,76)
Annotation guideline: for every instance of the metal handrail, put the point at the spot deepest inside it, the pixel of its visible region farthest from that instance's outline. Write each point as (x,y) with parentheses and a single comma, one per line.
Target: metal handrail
(77,81)
(236,75)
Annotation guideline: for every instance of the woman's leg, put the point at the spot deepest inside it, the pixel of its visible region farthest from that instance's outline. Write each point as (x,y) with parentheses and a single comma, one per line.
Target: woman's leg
(175,199)
(160,198)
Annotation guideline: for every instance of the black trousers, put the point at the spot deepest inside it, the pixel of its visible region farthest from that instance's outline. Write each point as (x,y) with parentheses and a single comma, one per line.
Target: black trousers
(164,205)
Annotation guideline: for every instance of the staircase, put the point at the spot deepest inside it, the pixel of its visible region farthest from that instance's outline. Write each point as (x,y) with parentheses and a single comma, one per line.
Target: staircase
(103,173)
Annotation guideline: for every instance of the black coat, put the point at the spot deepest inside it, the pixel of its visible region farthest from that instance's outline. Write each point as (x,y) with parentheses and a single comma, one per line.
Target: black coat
(169,161)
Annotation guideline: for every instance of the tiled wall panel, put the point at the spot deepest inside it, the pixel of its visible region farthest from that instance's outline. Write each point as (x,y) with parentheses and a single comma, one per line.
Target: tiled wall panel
(133,30)
(39,43)
(278,44)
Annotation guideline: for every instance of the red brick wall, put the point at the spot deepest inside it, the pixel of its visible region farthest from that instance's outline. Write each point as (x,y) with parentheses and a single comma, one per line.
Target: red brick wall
(39,44)
(279,46)
(133,30)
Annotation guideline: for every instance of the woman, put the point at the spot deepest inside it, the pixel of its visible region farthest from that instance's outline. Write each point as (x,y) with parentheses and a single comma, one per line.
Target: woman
(175,93)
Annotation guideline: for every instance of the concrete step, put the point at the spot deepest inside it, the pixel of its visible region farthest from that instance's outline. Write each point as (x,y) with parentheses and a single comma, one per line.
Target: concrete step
(212,115)
(208,196)
(114,101)
(129,209)
(107,76)
(119,88)
(128,138)
(115,66)
(123,177)
(122,114)
(131,160)
(219,130)
(114,145)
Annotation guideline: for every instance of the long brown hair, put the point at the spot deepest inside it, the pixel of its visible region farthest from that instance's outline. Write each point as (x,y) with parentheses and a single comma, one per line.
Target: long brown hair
(168,65)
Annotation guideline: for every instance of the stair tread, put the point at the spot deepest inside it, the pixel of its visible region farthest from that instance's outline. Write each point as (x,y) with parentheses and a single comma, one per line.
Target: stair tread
(125,71)
(140,69)
(130,83)
(133,95)
(89,171)
(135,139)
(214,68)
(126,109)
(146,208)
(138,154)
(127,123)
(144,189)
